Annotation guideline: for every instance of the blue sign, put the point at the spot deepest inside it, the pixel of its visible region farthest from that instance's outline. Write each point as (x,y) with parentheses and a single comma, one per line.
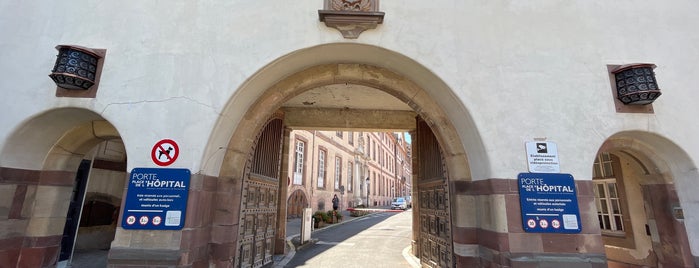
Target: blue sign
(549,203)
(156,199)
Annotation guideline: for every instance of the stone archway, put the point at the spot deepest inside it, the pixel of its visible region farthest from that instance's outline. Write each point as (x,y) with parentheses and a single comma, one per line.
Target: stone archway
(651,230)
(296,202)
(52,145)
(400,87)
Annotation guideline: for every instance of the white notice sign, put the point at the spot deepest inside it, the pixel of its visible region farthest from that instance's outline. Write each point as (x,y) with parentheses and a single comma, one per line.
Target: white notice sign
(542,157)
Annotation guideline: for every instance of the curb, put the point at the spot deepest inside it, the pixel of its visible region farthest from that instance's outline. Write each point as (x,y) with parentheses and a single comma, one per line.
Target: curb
(410,258)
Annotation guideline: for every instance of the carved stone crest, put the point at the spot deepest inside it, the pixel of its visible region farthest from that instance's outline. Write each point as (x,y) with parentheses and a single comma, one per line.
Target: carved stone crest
(351,17)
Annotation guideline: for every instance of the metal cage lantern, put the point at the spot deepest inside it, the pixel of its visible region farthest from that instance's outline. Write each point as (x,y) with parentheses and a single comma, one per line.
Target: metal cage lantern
(75,67)
(636,84)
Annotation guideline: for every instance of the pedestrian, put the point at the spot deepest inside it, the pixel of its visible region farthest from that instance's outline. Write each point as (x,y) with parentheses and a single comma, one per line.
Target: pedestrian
(336,202)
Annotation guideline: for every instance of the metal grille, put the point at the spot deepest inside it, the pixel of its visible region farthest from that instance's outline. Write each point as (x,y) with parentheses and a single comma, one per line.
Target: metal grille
(267,157)
(431,166)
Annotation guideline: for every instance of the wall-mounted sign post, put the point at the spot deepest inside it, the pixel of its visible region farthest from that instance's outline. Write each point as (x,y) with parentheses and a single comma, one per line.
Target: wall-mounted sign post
(542,156)
(549,203)
(156,199)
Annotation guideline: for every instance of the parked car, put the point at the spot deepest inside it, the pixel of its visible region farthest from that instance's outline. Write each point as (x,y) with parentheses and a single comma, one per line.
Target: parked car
(399,203)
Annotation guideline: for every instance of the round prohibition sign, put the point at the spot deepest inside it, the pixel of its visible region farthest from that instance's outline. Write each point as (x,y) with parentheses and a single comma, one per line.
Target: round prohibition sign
(555,224)
(165,152)
(130,220)
(157,220)
(531,223)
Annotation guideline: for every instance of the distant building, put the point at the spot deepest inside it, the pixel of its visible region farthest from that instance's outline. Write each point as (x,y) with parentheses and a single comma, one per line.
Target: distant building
(346,163)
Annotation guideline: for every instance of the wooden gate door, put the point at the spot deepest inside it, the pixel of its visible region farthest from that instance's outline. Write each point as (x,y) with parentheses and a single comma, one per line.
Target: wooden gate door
(258,209)
(434,241)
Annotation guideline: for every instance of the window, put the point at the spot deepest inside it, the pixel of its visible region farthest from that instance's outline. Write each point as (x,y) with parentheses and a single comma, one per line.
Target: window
(350,137)
(368,144)
(607,198)
(338,172)
(608,206)
(374,154)
(610,200)
(298,162)
(321,168)
(374,183)
(350,179)
(339,134)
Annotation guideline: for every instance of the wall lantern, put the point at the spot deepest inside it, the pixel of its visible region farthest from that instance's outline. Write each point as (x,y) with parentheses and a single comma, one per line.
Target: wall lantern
(75,67)
(636,84)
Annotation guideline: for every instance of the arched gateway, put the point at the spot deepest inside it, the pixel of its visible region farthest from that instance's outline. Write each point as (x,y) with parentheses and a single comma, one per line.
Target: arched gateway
(421,94)
(462,217)
(433,223)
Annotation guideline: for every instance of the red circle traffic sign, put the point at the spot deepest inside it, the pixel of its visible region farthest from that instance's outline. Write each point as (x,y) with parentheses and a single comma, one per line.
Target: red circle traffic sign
(130,220)
(555,224)
(165,152)
(157,220)
(143,220)
(531,223)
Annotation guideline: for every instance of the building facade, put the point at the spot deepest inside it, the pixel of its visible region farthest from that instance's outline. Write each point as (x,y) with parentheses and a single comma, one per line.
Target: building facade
(326,164)
(96,92)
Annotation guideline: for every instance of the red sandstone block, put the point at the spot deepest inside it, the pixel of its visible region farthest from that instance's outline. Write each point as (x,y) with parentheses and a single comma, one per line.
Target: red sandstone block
(13,243)
(494,240)
(467,261)
(464,235)
(9,257)
(514,213)
(223,234)
(223,251)
(31,257)
(51,256)
(225,218)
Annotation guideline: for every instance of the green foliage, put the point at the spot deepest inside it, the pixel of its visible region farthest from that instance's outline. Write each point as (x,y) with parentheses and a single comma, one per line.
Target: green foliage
(320,216)
(330,215)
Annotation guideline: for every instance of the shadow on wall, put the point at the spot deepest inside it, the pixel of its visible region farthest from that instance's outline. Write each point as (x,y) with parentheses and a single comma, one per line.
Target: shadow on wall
(97,225)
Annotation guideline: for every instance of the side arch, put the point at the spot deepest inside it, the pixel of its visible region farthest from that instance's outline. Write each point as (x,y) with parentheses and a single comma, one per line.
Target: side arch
(665,172)
(51,139)
(38,165)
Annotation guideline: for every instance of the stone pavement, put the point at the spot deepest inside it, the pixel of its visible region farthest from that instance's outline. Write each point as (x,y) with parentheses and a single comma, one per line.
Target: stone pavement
(98,258)
(293,230)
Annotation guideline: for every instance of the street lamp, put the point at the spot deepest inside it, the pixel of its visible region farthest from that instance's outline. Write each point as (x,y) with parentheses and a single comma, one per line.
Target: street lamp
(367,191)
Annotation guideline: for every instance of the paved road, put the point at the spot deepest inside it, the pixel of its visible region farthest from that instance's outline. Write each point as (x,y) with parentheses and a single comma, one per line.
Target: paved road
(375,240)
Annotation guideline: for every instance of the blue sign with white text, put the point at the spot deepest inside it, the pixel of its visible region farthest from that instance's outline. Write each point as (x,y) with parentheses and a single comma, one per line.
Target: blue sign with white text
(156,199)
(549,203)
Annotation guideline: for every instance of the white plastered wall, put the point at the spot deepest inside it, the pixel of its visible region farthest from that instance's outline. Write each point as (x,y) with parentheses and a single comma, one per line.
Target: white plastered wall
(505,72)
